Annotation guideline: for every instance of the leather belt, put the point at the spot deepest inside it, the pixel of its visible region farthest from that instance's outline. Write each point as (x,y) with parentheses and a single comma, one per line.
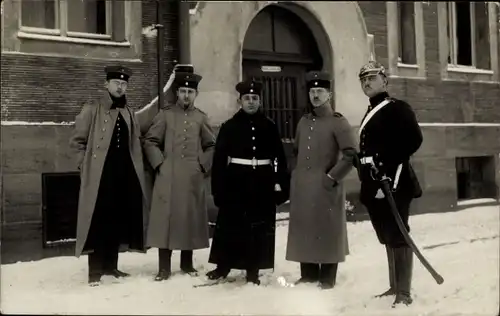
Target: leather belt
(250,162)
(366,160)
(369,161)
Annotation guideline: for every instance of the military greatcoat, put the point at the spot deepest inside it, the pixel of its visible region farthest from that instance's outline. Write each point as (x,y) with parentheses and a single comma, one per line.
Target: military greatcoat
(179,145)
(244,236)
(325,144)
(92,138)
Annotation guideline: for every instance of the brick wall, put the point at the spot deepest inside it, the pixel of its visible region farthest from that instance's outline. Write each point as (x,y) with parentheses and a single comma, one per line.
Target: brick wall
(436,101)
(44,88)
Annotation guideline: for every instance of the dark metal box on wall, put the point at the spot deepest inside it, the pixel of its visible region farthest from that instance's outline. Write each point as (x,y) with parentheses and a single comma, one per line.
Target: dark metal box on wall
(59,207)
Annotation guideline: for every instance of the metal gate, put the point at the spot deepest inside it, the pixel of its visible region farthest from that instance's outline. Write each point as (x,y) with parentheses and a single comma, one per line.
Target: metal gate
(279,102)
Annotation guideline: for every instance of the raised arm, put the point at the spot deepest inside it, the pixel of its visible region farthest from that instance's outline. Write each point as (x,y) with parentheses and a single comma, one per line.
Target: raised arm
(145,115)
(79,138)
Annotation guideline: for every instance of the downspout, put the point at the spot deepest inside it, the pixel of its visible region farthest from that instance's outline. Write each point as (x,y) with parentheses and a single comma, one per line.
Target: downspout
(184,37)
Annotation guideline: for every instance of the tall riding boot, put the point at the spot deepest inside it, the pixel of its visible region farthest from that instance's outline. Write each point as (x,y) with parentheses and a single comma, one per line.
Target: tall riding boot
(404,268)
(111,263)
(392,272)
(164,266)
(309,273)
(95,263)
(187,263)
(328,275)
(253,276)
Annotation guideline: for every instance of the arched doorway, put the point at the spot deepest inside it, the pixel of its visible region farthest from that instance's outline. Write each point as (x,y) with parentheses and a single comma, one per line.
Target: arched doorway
(278,50)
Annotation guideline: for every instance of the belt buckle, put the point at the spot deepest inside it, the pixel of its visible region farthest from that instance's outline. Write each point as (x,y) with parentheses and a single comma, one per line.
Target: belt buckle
(254,162)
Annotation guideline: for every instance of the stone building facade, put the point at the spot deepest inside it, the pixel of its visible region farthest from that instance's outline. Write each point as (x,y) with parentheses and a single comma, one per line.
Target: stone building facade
(53,62)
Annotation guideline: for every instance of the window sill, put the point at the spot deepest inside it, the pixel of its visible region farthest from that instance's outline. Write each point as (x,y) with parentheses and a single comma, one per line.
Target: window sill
(75,40)
(408,66)
(408,71)
(469,70)
(465,73)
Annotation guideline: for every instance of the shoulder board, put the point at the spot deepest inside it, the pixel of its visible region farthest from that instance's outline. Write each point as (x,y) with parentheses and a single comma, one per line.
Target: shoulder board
(197,109)
(167,106)
(337,114)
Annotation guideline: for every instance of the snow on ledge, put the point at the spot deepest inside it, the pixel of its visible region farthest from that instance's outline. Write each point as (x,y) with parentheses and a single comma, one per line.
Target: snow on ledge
(476,201)
(21,123)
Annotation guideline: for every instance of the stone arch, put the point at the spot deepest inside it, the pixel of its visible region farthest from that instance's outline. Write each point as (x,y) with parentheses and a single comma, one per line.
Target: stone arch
(218,31)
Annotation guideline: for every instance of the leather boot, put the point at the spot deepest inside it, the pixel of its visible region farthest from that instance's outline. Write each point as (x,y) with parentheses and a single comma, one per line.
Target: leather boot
(253,276)
(164,265)
(95,264)
(392,273)
(187,263)
(328,275)
(404,268)
(309,273)
(218,273)
(111,264)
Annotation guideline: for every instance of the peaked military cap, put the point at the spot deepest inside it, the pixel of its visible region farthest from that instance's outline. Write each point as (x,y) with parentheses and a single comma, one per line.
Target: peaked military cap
(372,68)
(318,79)
(117,72)
(249,87)
(187,80)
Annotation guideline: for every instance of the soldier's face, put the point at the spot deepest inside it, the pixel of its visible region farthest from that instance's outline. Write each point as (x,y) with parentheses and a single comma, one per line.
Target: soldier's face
(116,87)
(373,85)
(319,96)
(250,103)
(186,96)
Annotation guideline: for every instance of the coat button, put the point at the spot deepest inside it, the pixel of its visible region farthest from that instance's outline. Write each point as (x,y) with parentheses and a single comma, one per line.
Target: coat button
(98,146)
(95,156)
(182,156)
(253,128)
(254,148)
(103,129)
(311,128)
(107,112)
(308,168)
(309,137)
(308,158)
(105,121)
(309,147)
(185,130)
(253,137)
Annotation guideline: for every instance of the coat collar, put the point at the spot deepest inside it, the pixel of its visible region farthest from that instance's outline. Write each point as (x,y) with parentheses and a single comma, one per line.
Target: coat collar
(106,100)
(322,111)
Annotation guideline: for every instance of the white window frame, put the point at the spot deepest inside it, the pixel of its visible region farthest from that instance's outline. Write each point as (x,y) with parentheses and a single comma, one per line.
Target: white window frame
(396,67)
(452,71)
(61,23)
(453,39)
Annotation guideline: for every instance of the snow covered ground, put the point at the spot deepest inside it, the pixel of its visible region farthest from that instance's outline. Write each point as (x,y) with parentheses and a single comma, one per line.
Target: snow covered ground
(463,247)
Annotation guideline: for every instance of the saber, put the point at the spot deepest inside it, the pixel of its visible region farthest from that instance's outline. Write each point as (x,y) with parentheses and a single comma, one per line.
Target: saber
(386,188)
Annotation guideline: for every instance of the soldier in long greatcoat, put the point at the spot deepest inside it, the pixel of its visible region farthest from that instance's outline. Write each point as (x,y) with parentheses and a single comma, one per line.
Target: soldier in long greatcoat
(325,147)
(113,204)
(179,146)
(389,136)
(246,186)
